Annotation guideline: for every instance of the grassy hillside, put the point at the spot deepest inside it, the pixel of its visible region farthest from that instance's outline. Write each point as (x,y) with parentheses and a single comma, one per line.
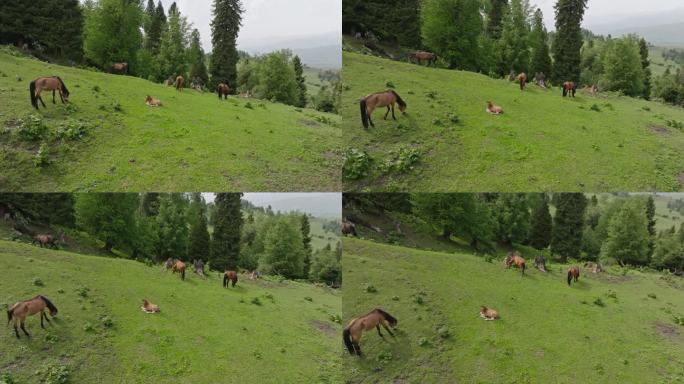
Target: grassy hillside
(542,142)
(548,332)
(194,142)
(204,334)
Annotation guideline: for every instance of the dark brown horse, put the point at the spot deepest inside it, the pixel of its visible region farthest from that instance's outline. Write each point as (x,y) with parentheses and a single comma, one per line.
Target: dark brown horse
(573,274)
(373,319)
(349,228)
(515,258)
(179,267)
(53,84)
(45,240)
(180,83)
(222,90)
(421,56)
(119,68)
(378,100)
(522,80)
(230,275)
(19,311)
(569,89)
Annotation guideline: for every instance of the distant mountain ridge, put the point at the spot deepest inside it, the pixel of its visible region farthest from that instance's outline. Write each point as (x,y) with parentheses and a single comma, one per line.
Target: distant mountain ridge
(660,28)
(322,51)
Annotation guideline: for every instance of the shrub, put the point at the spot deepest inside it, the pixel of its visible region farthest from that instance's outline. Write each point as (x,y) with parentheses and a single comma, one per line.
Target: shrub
(55,374)
(249,105)
(443,332)
(385,357)
(369,288)
(107,322)
(83,292)
(402,161)
(356,164)
(6,378)
(599,302)
(42,158)
(595,107)
(38,282)
(88,327)
(32,128)
(652,295)
(335,318)
(423,342)
(307,298)
(389,84)
(256,301)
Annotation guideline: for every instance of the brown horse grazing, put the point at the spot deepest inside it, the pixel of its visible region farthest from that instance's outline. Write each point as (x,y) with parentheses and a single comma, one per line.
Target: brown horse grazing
(569,88)
(573,274)
(152,102)
(179,267)
(540,263)
(222,90)
(522,80)
(19,311)
(45,241)
(148,307)
(230,275)
(379,100)
(515,258)
(373,319)
(349,228)
(180,83)
(53,84)
(120,68)
(421,56)
(488,313)
(494,109)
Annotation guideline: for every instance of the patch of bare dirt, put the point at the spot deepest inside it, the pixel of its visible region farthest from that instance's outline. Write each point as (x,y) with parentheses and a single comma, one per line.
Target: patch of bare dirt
(324,327)
(668,331)
(659,129)
(309,123)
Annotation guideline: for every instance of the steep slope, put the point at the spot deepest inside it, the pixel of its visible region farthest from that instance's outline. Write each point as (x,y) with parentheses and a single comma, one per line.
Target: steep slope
(204,333)
(193,142)
(606,328)
(542,142)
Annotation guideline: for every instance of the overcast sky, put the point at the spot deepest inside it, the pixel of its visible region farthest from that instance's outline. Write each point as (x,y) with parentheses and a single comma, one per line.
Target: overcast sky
(267,20)
(608,11)
(315,203)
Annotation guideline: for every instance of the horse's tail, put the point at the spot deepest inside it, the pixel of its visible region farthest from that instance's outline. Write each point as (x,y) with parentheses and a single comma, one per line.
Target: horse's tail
(49,304)
(63,86)
(346,336)
(569,277)
(32,91)
(364,113)
(400,101)
(225,280)
(10,312)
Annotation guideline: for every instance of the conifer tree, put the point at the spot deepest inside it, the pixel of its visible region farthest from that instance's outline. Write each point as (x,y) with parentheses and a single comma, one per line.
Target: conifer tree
(568,40)
(301,81)
(227,220)
(224,31)
(539,41)
(568,225)
(541,225)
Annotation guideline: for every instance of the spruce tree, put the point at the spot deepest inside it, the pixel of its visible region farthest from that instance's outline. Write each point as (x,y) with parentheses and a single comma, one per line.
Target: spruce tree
(566,236)
(224,31)
(495,18)
(539,40)
(225,243)
(568,40)
(172,51)
(199,241)
(301,81)
(512,214)
(651,223)
(514,44)
(646,66)
(196,58)
(306,243)
(541,225)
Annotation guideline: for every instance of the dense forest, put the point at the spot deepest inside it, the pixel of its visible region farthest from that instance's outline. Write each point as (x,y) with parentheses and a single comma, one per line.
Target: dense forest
(499,37)
(228,233)
(612,229)
(157,45)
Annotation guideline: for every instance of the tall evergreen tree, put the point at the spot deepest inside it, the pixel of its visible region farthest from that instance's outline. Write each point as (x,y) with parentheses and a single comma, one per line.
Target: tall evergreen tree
(568,223)
(539,41)
(172,52)
(225,244)
(541,225)
(196,58)
(172,230)
(514,44)
(495,18)
(224,31)
(155,21)
(651,223)
(306,245)
(512,214)
(301,82)
(113,32)
(198,241)
(646,67)
(568,40)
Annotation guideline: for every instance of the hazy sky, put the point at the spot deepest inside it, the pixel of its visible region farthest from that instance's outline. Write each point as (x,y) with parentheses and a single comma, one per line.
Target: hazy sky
(314,203)
(607,11)
(266,20)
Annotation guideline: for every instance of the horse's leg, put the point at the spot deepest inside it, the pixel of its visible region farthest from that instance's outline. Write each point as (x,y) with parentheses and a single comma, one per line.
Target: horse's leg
(370,111)
(393,117)
(61,97)
(40,99)
(357,348)
(24,329)
(379,333)
(46,317)
(42,314)
(53,97)
(388,330)
(387,113)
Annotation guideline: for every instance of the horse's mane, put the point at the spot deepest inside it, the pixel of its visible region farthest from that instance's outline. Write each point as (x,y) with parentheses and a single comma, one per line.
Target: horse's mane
(48,303)
(386,315)
(400,101)
(64,88)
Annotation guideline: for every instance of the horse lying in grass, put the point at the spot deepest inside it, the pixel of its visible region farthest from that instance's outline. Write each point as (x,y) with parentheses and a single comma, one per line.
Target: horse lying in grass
(488,313)
(231,276)
(152,102)
(573,274)
(52,83)
(45,241)
(119,68)
(148,307)
(494,109)
(514,258)
(378,100)
(19,311)
(374,319)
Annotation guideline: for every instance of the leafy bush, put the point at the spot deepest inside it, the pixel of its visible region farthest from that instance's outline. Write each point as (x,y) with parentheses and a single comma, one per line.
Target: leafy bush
(32,128)
(107,322)
(335,318)
(423,342)
(652,295)
(42,158)
(88,327)
(307,298)
(401,161)
(595,107)
(38,282)
(6,378)
(83,291)
(256,301)
(599,302)
(389,84)
(369,288)
(356,164)
(444,332)
(55,374)
(385,357)
(249,105)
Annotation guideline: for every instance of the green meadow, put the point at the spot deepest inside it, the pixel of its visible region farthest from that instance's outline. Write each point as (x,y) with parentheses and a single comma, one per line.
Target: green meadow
(446,141)
(615,327)
(107,139)
(264,331)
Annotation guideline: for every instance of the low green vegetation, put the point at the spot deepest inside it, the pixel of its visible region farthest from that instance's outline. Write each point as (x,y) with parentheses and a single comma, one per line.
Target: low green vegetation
(106,138)
(204,333)
(446,141)
(621,325)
